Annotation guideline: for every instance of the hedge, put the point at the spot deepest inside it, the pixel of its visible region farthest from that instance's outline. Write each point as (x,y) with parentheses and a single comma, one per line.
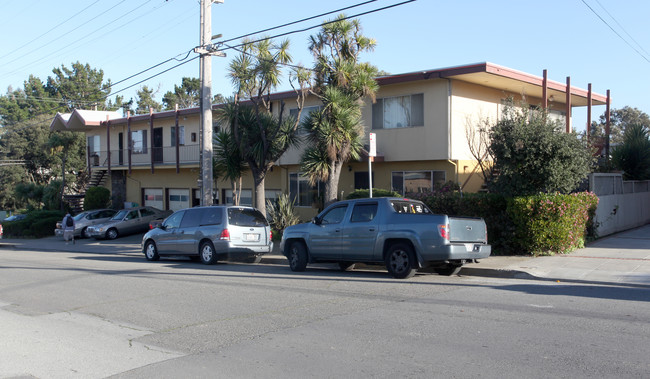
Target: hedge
(543,224)
(37,224)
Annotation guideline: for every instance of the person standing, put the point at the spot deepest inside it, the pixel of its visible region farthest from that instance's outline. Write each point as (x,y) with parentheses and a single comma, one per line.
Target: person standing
(68,228)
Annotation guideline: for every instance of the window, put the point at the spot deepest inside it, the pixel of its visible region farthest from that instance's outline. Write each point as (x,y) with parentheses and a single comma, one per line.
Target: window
(245,199)
(361,180)
(398,112)
(181,135)
(193,137)
(132,215)
(364,212)
(246,217)
(192,218)
(405,206)
(405,182)
(299,189)
(211,216)
(173,221)
(139,142)
(147,212)
(304,114)
(334,215)
(93,144)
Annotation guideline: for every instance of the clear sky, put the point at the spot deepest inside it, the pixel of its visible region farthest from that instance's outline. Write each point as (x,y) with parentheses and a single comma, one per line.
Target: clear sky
(124,37)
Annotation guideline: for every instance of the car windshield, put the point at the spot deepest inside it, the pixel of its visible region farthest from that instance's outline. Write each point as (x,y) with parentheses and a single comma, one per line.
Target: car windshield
(120,215)
(79,216)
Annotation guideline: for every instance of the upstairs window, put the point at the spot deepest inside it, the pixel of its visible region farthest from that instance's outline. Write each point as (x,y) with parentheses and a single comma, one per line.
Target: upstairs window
(398,112)
(181,136)
(139,141)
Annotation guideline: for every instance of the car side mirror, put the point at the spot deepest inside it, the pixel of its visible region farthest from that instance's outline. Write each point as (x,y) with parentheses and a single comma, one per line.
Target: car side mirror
(316,220)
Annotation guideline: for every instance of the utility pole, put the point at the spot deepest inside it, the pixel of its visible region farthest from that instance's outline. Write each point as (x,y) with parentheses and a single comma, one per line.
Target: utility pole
(206,50)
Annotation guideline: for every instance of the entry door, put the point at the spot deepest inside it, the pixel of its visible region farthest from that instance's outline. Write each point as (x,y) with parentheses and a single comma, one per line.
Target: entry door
(120,153)
(157,145)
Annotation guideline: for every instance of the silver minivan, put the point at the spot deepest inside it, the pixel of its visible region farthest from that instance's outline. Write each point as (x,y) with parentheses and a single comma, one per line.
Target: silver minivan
(210,234)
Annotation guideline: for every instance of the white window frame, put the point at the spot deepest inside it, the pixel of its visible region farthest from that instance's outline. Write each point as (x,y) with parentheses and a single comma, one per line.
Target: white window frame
(381,107)
(181,136)
(139,145)
(432,183)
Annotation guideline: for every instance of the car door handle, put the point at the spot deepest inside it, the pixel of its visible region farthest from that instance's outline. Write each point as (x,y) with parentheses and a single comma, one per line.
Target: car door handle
(337,230)
(371,229)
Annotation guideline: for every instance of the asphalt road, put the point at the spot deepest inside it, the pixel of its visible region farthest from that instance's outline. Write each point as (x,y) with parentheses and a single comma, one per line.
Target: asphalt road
(73,314)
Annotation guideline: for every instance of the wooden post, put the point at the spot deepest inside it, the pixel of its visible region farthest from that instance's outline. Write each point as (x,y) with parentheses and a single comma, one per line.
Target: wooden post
(108,144)
(568,104)
(176,136)
(545,90)
(588,110)
(151,137)
(128,137)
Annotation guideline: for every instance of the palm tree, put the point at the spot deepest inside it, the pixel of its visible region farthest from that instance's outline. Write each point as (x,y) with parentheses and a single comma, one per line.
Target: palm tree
(261,136)
(227,162)
(335,131)
(633,155)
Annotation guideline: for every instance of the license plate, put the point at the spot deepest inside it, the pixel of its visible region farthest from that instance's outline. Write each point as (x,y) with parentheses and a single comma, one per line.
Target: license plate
(251,237)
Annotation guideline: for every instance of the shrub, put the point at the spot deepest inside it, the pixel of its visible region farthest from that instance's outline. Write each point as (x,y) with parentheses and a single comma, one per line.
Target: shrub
(281,214)
(537,225)
(376,192)
(96,198)
(37,224)
(549,224)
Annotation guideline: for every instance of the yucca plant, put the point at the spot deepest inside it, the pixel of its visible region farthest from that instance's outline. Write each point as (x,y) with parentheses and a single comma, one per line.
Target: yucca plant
(281,213)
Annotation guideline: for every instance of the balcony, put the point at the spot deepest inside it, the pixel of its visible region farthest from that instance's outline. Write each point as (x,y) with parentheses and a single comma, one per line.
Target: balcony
(163,156)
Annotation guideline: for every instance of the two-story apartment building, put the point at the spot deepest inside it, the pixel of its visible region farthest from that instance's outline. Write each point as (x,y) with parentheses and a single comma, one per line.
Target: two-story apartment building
(419,119)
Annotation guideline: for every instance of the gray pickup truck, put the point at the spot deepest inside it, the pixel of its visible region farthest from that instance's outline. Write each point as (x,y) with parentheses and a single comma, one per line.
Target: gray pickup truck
(402,233)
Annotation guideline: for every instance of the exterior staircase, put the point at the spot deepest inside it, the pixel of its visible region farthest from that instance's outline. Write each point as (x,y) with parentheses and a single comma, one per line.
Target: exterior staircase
(76,201)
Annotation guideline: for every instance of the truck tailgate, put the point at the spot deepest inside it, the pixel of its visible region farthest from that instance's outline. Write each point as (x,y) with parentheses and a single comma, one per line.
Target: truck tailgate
(463,229)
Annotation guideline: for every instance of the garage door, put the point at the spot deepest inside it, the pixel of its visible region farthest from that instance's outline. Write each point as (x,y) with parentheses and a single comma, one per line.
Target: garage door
(179,199)
(153,197)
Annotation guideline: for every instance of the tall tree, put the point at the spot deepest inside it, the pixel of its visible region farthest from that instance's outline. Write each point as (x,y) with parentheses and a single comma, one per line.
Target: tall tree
(79,87)
(227,162)
(341,82)
(620,119)
(187,95)
(146,100)
(261,135)
(532,154)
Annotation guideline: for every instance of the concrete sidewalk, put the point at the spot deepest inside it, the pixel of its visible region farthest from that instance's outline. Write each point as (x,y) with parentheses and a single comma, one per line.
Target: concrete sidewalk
(622,258)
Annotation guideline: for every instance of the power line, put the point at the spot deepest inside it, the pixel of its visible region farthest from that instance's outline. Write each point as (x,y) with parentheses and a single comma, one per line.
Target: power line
(615,32)
(229,47)
(622,28)
(54,27)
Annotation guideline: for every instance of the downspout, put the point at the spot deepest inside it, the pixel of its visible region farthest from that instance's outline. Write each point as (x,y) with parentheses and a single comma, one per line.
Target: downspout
(449,130)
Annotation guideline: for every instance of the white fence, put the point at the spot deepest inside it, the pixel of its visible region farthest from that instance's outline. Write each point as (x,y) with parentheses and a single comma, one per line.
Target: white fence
(622,204)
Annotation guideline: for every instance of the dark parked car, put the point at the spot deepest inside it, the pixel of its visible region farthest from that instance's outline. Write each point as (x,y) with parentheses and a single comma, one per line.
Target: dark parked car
(211,233)
(14,218)
(85,219)
(127,221)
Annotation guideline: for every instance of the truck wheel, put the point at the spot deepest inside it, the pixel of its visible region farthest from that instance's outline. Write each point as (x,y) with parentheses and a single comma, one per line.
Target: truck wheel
(207,253)
(448,270)
(298,256)
(346,266)
(400,261)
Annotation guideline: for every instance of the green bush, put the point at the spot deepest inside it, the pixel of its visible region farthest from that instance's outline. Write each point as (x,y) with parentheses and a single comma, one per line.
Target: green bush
(537,225)
(37,224)
(281,214)
(376,192)
(97,198)
(549,224)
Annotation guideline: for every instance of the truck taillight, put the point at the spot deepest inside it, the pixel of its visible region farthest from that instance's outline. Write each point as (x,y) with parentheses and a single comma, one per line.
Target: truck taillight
(486,240)
(444,231)
(270,235)
(225,235)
